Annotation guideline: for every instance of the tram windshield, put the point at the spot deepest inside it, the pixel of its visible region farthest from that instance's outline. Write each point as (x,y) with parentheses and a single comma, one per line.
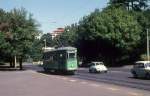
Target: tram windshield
(71,55)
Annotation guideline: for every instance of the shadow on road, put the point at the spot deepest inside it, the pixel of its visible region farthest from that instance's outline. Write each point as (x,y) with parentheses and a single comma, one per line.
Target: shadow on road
(55,73)
(139,78)
(5,67)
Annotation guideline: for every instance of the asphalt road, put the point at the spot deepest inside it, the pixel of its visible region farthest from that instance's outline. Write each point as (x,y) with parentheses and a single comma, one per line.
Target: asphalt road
(33,82)
(117,76)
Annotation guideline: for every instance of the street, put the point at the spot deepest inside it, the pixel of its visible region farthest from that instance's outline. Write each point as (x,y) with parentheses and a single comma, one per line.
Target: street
(32,83)
(75,48)
(118,76)
(115,76)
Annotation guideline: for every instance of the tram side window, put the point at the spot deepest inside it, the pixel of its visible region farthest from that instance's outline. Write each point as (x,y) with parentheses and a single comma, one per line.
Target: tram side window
(71,55)
(45,57)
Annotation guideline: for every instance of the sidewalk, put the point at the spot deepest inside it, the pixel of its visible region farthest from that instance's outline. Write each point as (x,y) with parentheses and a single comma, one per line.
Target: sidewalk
(31,66)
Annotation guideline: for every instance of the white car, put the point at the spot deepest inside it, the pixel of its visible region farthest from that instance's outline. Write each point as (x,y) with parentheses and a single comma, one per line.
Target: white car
(97,67)
(141,69)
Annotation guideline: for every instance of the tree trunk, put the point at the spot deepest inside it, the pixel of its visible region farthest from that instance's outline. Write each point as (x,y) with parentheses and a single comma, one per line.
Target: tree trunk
(11,64)
(128,6)
(15,61)
(132,5)
(20,63)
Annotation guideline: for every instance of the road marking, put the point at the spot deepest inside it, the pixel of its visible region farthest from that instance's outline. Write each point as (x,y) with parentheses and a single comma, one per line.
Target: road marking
(72,80)
(83,82)
(64,78)
(58,77)
(119,72)
(134,94)
(94,85)
(113,89)
(42,74)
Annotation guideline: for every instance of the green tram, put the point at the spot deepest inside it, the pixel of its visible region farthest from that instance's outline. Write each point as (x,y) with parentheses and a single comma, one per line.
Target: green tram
(63,59)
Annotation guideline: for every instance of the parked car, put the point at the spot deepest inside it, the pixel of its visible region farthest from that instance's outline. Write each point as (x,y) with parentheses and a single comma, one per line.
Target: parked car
(141,69)
(97,67)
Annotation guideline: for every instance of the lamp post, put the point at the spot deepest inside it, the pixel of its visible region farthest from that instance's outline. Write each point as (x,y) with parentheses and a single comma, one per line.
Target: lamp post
(147,45)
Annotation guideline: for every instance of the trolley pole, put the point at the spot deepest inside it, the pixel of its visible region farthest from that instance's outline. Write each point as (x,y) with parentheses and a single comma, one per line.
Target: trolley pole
(45,43)
(147,44)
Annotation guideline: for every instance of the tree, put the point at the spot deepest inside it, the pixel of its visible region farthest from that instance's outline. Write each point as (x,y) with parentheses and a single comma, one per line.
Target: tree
(48,39)
(136,5)
(4,36)
(69,37)
(111,35)
(24,31)
(36,51)
(20,31)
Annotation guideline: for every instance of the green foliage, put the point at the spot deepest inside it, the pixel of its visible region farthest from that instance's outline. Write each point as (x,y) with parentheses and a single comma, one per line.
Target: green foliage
(111,35)
(48,38)
(136,5)
(144,57)
(24,31)
(19,31)
(147,16)
(36,51)
(114,35)
(120,27)
(69,37)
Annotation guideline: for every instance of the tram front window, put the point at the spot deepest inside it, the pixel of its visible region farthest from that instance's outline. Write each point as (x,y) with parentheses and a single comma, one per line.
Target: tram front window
(71,55)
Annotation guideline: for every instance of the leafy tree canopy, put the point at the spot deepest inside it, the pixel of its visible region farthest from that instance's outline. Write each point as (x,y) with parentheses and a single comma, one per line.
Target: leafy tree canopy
(69,37)
(18,30)
(114,31)
(136,5)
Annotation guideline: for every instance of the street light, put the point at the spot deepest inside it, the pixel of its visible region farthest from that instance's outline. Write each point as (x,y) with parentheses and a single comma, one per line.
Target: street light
(147,45)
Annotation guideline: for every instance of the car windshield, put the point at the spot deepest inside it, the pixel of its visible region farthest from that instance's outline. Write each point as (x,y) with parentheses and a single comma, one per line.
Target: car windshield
(101,63)
(96,63)
(92,64)
(139,65)
(147,65)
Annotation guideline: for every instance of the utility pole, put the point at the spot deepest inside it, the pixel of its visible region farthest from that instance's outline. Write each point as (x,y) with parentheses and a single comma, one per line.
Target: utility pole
(147,45)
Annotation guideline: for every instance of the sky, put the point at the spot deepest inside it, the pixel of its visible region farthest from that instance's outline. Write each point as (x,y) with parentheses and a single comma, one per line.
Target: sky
(52,14)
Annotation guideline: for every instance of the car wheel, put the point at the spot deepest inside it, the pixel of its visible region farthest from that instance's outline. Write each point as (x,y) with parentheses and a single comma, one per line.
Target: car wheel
(90,71)
(105,71)
(135,75)
(93,71)
(45,69)
(147,75)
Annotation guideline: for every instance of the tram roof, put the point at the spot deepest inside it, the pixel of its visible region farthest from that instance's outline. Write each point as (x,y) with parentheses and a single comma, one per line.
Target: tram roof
(66,48)
(61,48)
